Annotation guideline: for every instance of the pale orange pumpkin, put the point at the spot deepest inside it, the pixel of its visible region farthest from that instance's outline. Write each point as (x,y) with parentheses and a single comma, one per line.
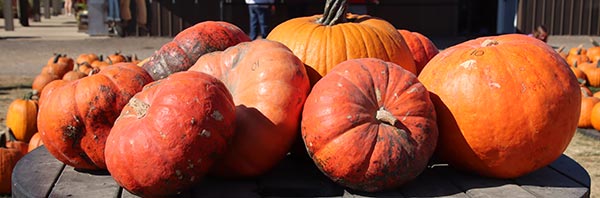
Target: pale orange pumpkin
(21,117)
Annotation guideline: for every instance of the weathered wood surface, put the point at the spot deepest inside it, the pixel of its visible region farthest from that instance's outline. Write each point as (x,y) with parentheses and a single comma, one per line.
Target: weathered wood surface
(39,174)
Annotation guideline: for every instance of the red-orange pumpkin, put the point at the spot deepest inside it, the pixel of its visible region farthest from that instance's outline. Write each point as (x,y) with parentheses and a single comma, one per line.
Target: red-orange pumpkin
(191,43)
(8,159)
(323,41)
(420,46)
(75,117)
(506,105)
(36,141)
(168,136)
(369,125)
(269,85)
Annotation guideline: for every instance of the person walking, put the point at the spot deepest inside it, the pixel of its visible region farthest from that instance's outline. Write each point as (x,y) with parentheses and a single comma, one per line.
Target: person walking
(114,17)
(259,15)
(68,6)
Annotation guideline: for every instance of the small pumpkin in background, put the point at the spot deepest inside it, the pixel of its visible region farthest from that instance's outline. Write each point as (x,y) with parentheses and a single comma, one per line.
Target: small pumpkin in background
(116,57)
(61,59)
(595,116)
(420,46)
(9,156)
(587,104)
(579,74)
(41,80)
(473,86)
(323,41)
(88,58)
(74,74)
(16,144)
(578,57)
(21,117)
(369,125)
(594,52)
(76,132)
(34,142)
(579,50)
(593,76)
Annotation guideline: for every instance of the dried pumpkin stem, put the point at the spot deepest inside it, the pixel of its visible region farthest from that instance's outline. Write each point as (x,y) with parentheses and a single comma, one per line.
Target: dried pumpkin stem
(386,117)
(334,13)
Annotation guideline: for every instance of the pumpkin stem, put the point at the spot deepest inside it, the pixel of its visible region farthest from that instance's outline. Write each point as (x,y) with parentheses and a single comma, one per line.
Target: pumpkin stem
(29,95)
(594,42)
(334,13)
(56,57)
(3,140)
(560,49)
(489,42)
(386,117)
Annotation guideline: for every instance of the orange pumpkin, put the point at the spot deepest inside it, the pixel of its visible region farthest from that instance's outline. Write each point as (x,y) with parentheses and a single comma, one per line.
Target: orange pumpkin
(75,117)
(420,46)
(8,159)
(21,117)
(269,85)
(74,74)
(36,141)
(88,58)
(593,76)
(595,116)
(369,125)
(117,57)
(323,41)
(475,87)
(587,103)
(41,80)
(594,52)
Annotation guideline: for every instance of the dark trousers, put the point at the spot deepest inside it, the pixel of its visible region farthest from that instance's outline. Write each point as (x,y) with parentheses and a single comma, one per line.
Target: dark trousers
(258,20)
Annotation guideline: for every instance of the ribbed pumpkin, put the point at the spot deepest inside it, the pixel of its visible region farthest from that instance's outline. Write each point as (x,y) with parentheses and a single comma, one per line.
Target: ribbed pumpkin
(75,117)
(21,117)
(506,105)
(269,85)
(323,41)
(420,46)
(168,135)
(191,43)
(369,125)
(8,159)
(587,103)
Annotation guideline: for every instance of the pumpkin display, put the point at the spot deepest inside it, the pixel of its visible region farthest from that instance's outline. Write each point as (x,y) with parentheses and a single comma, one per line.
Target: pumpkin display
(169,135)
(21,117)
(587,103)
(323,41)
(9,157)
(420,46)
(34,142)
(506,105)
(75,117)
(269,85)
(369,125)
(191,43)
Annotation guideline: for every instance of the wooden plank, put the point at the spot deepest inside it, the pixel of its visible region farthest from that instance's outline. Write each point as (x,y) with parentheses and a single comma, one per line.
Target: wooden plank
(89,184)
(572,169)
(546,182)
(430,184)
(297,178)
(478,186)
(35,174)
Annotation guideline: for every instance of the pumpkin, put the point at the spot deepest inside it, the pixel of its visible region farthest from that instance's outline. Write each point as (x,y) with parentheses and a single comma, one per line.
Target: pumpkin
(41,80)
(323,41)
(88,58)
(579,50)
(579,74)
(61,59)
(75,117)
(587,103)
(21,117)
(75,74)
(169,135)
(585,91)
(595,116)
(12,142)
(116,57)
(58,69)
(561,52)
(9,157)
(191,43)
(269,85)
(506,105)
(578,57)
(421,48)
(34,142)
(594,52)
(369,125)
(593,75)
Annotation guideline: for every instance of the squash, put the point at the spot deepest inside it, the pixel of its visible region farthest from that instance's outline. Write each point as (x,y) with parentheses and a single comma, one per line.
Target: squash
(269,85)
(323,41)
(21,117)
(75,117)
(169,135)
(369,125)
(191,43)
(506,105)
(421,48)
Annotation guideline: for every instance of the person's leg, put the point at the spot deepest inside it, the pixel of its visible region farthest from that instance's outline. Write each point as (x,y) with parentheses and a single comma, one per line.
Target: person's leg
(125,11)
(110,17)
(141,12)
(263,19)
(253,10)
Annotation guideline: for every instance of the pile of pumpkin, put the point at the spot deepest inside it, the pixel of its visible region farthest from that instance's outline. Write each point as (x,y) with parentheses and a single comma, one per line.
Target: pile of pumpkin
(585,64)
(372,105)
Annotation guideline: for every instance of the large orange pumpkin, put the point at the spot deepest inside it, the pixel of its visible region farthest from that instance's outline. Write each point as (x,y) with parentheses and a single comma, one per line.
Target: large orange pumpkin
(506,105)
(191,43)
(8,159)
(420,46)
(75,117)
(369,125)
(21,117)
(269,85)
(168,135)
(323,41)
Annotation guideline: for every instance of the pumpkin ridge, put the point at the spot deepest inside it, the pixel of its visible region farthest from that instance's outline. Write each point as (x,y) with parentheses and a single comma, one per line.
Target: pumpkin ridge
(365,95)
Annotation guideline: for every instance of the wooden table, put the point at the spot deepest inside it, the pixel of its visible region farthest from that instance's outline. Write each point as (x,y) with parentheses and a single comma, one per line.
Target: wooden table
(39,174)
